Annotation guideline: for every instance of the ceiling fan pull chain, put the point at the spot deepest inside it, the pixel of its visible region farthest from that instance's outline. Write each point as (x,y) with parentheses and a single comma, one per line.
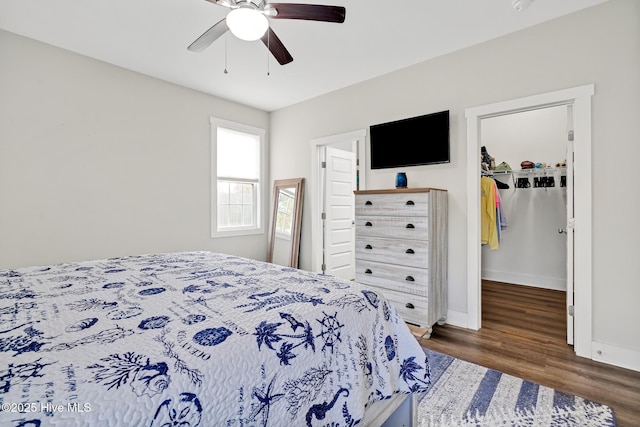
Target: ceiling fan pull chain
(225,53)
(268,51)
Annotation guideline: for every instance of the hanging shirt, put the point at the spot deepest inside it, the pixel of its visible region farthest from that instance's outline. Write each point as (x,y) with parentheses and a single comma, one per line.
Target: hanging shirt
(503,218)
(488,225)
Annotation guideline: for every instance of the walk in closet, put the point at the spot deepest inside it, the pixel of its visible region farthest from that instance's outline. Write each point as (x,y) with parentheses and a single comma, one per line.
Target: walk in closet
(531,249)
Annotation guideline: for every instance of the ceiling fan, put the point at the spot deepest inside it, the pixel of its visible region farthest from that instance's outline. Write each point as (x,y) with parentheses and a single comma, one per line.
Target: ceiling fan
(247,20)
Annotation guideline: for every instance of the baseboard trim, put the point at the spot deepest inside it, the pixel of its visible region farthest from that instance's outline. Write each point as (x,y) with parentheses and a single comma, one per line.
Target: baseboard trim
(537,281)
(457,318)
(617,356)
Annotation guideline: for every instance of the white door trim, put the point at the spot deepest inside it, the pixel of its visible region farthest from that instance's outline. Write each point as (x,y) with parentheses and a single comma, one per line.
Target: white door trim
(315,185)
(580,97)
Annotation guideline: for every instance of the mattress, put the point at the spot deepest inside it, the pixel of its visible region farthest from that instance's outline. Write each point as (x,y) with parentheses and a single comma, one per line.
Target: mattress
(197,339)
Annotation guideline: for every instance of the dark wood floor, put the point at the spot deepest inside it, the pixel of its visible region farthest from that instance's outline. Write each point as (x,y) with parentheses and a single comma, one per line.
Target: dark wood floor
(524,334)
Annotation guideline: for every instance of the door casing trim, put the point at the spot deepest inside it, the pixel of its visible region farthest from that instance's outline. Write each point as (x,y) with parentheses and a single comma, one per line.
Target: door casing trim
(580,98)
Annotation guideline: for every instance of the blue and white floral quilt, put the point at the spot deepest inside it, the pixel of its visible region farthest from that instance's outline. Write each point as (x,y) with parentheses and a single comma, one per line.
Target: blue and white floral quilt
(196,339)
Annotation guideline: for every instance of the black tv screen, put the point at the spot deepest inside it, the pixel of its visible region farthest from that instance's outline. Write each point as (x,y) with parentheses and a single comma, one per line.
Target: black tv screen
(422,140)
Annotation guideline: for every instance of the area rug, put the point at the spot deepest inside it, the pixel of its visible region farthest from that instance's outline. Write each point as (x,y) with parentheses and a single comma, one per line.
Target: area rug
(466,394)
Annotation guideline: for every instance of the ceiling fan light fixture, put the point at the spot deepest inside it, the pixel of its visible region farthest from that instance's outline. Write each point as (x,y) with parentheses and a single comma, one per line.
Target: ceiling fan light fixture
(247,24)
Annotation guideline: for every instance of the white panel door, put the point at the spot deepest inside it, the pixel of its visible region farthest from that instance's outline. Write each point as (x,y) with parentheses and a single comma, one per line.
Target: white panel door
(339,209)
(570,230)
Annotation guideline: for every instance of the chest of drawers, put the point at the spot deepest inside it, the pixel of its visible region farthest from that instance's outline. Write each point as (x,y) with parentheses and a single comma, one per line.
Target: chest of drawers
(401,250)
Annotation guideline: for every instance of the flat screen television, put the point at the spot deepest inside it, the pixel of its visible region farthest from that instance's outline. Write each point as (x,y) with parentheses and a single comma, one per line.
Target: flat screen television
(422,140)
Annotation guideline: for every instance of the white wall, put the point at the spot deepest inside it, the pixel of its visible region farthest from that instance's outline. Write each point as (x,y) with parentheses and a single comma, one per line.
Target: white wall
(600,45)
(531,250)
(97,161)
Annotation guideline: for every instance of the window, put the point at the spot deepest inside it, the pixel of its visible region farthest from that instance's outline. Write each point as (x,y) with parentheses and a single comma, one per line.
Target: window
(236,160)
(284,216)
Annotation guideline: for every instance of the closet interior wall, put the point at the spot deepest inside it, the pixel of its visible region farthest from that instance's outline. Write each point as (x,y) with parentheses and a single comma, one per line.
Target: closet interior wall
(531,252)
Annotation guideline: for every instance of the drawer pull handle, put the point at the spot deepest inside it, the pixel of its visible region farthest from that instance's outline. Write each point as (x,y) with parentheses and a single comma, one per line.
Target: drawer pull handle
(409,305)
(410,203)
(368,203)
(367,271)
(368,247)
(410,226)
(368,224)
(409,279)
(409,251)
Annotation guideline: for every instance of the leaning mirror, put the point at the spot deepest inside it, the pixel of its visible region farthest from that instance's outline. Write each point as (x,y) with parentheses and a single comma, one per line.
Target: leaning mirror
(284,232)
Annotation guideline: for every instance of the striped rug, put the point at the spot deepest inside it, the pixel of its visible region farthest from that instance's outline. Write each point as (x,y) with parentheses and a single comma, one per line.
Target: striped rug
(465,394)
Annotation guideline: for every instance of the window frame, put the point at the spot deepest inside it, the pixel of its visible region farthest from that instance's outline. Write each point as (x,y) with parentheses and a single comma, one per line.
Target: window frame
(259,227)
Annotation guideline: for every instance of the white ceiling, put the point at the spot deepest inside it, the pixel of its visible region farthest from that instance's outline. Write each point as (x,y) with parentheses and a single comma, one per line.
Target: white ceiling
(377,37)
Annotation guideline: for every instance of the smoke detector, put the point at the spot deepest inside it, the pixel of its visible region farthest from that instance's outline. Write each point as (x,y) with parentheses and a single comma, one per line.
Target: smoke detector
(520,5)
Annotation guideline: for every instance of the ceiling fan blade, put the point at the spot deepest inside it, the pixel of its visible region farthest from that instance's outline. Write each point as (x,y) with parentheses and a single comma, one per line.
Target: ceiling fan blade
(310,12)
(209,36)
(276,47)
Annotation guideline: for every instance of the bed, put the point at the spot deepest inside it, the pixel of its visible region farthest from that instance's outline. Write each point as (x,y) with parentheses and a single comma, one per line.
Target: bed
(198,339)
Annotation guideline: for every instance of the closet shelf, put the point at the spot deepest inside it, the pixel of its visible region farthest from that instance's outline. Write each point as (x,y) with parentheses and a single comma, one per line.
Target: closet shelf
(532,171)
(541,171)
(493,172)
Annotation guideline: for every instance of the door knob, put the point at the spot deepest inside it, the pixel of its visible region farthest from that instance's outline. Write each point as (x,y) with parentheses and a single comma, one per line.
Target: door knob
(562,230)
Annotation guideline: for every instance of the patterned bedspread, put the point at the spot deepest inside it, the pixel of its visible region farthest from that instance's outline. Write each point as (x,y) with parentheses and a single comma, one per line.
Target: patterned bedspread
(196,339)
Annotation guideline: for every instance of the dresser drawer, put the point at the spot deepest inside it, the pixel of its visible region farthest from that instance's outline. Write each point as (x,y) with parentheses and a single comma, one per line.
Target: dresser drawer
(408,252)
(394,277)
(412,309)
(405,204)
(416,228)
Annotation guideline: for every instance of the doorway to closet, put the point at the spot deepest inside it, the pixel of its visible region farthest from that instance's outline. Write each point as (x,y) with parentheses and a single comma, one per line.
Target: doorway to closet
(530,248)
(578,229)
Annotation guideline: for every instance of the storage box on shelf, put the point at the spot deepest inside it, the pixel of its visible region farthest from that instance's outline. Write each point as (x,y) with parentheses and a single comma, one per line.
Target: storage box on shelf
(401,250)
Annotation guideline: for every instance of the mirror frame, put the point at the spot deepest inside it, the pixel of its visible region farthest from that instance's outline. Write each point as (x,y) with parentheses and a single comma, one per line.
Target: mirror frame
(298,183)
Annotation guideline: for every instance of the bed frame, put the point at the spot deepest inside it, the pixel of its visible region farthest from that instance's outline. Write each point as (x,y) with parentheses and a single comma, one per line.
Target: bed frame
(399,411)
